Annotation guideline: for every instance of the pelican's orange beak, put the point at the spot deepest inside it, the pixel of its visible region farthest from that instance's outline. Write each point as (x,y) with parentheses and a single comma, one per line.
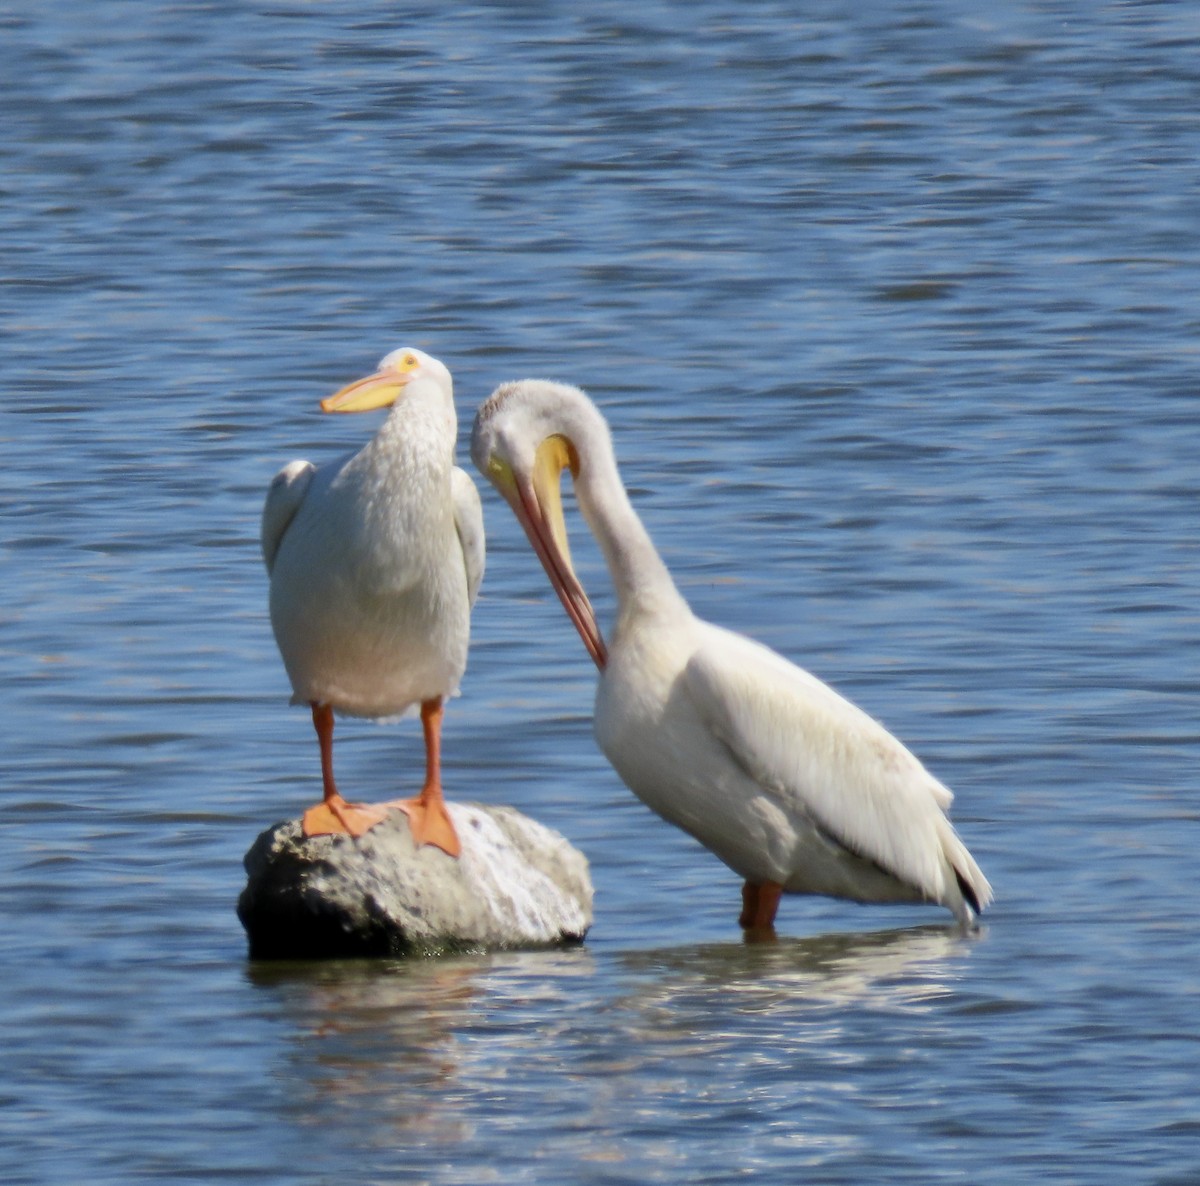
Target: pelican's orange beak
(536,501)
(379,390)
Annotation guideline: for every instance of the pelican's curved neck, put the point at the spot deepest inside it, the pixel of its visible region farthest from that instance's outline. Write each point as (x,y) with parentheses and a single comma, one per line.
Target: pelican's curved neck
(641,580)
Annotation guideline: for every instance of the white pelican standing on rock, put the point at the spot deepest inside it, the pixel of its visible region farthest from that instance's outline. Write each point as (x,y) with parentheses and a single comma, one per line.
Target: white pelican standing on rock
(792,786)
(375,561)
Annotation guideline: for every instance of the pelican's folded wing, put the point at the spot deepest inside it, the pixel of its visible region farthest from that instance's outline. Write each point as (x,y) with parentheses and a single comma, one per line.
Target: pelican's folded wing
(824,758)
(284,496)
(468,522)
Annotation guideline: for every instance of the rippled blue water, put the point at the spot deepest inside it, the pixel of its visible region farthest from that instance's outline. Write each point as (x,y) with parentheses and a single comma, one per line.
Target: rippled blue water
(894,312)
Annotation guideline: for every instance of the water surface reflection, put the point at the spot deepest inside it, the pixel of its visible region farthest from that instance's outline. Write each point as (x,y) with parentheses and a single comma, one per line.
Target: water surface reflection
(904,966)
(414,1054)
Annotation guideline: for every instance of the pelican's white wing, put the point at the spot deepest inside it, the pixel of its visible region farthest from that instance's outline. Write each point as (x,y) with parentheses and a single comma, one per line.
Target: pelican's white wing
(284,496)
(826,759)
(468,522)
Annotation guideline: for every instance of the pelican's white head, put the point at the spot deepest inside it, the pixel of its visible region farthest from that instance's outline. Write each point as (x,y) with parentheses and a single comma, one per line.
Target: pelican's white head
(525,435)
(397,371)
(522,427)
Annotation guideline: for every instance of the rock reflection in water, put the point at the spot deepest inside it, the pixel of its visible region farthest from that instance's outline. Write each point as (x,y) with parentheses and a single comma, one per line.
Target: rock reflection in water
(389,1047)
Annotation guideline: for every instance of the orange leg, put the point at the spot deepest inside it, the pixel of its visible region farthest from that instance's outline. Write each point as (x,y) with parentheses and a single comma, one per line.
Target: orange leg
(759,904)
(334,815)
(427,815)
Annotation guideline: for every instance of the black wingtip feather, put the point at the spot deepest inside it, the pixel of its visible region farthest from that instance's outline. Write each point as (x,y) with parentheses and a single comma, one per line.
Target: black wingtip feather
(968,892)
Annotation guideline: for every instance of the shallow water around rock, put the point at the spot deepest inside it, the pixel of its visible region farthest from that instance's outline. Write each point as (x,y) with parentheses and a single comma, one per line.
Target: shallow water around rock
(893,311)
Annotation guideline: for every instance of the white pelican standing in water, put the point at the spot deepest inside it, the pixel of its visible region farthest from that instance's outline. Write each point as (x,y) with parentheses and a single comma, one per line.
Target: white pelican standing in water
(375,561)
(792,786)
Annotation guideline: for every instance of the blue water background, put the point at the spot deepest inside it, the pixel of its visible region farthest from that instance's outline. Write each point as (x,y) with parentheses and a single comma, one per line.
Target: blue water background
(894,312)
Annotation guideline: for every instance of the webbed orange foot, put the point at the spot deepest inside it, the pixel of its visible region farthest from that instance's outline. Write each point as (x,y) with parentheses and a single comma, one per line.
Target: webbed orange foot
(430,821)
(336,817)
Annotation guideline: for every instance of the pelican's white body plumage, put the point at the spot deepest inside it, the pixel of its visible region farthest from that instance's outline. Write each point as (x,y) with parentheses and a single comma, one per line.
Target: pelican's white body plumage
(375,559)
(772,770)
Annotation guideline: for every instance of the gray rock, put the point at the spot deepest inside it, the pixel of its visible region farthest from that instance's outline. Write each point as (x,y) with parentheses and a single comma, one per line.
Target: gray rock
(516,884)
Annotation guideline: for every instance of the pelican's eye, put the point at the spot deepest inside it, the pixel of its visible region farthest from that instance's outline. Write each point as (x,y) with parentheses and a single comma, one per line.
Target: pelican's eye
(409,362)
